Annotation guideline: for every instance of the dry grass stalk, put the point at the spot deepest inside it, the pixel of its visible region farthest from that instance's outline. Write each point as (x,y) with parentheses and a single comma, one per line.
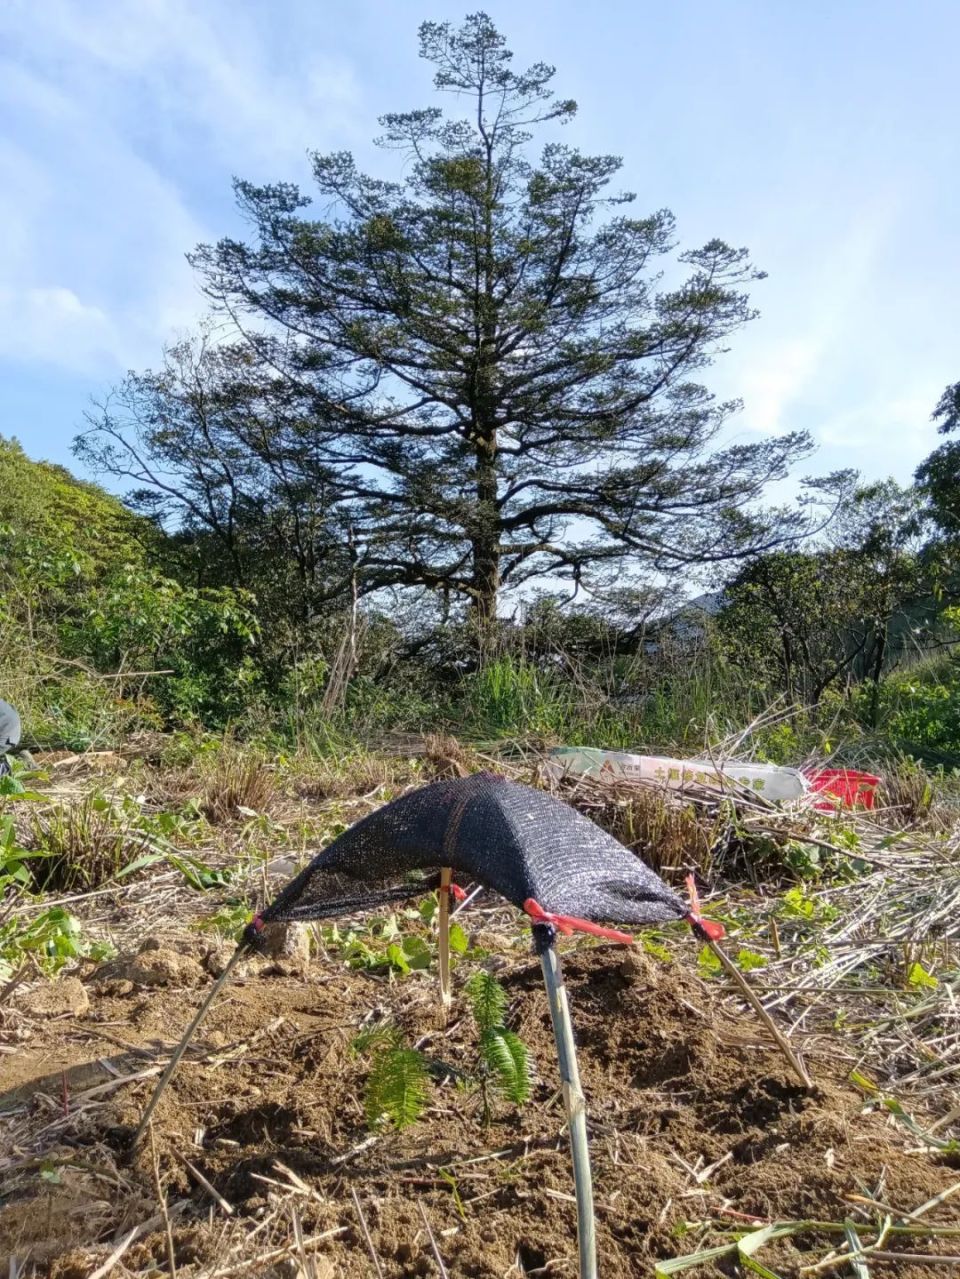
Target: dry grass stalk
(448,757)
(780,1039)
(433,1243)
(275,1255)
(238,780)
(115,1256)
(356,778)
(201,1181)
(162,1201)
(663,827)
(366,1234)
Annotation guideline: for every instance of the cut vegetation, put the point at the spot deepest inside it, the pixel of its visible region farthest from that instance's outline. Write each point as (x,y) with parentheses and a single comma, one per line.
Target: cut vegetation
(330,1071)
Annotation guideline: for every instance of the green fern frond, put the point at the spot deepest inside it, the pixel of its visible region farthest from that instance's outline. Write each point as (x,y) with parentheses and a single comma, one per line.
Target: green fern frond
(488,1001)
(505,1056)
(377,1038)
(396,1088)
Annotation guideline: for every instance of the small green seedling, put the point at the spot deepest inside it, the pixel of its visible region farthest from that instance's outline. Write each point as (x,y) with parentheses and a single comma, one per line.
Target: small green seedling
(397,1086)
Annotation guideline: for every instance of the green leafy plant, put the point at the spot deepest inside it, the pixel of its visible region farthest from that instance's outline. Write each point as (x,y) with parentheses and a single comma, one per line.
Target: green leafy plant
(54,937)
(383,944)
(230,920)
(504,1062)
(797,905)
(919,978)
(16,874)
(398,1083)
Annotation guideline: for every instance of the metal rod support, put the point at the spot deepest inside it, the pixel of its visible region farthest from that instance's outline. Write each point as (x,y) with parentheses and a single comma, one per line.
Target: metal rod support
(544,937)
(184,1043)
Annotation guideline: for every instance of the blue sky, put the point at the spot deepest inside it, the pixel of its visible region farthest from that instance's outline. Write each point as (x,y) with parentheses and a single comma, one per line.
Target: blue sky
(823,136)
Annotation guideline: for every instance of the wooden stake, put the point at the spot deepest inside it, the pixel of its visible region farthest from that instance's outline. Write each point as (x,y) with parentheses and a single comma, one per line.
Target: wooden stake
(184,1043)
(443,941)
(753,1000)
(543,940)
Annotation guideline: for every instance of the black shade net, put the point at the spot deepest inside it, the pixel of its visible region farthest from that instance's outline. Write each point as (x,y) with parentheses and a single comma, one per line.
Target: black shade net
(520,842)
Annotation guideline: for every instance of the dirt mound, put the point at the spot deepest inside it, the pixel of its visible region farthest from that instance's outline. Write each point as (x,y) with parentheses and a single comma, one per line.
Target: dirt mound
(696,1131)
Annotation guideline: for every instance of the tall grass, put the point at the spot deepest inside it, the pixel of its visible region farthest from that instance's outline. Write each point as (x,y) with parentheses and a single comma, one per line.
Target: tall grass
(682,701)
(510,695)
(681,697)
(64,705)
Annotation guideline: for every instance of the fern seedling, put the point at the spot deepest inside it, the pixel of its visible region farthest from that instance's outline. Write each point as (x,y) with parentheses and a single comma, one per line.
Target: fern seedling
(488,1001)
(378,1038)
(396,1090)
(504,1065)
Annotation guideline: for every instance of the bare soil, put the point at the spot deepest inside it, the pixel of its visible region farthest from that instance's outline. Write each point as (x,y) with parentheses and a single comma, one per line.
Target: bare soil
(697,1131)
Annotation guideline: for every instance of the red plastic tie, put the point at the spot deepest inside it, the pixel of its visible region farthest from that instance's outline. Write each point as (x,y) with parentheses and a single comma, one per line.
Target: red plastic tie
(458,892)
(693,917)
(567,924)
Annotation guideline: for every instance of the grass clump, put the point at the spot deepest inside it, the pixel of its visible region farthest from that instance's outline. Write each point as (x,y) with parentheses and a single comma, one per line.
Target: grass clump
(359,774)
(81,845)
(240,782)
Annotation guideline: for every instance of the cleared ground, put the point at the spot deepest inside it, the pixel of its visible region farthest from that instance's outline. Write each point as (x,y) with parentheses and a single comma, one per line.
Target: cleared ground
(262,1162)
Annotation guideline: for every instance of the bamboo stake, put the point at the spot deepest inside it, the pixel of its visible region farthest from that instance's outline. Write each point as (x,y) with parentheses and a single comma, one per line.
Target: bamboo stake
(753,1000)
(184,1043)
(543,940)
(443,941)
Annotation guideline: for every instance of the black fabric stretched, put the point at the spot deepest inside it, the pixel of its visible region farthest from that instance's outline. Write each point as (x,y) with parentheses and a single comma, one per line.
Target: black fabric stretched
(516,840)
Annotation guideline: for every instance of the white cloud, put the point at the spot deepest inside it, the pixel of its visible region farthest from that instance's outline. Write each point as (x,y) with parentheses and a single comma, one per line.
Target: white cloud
(799,356)
(82,217)
(892,432)
(54,326)
(770,385)
(124,121)
(204,68)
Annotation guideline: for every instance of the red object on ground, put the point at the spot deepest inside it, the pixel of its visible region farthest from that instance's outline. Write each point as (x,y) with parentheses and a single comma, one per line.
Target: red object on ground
(852,789)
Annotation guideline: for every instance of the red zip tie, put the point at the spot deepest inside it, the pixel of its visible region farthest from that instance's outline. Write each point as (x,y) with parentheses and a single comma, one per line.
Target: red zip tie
(708,927)
(567,924)
(457,891)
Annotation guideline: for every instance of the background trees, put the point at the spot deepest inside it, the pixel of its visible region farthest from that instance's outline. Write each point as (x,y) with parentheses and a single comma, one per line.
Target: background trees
(847,610)
(478,376)
(473,379)
(938,476)
(225,457)
(87,616)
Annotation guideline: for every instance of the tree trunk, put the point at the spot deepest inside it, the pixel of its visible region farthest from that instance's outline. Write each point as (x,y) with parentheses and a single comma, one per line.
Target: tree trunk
(486,543)
(876,674)
(486,534)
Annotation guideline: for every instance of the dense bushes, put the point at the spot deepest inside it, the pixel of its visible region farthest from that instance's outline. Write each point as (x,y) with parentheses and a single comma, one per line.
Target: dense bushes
(100,641)
(86,617)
